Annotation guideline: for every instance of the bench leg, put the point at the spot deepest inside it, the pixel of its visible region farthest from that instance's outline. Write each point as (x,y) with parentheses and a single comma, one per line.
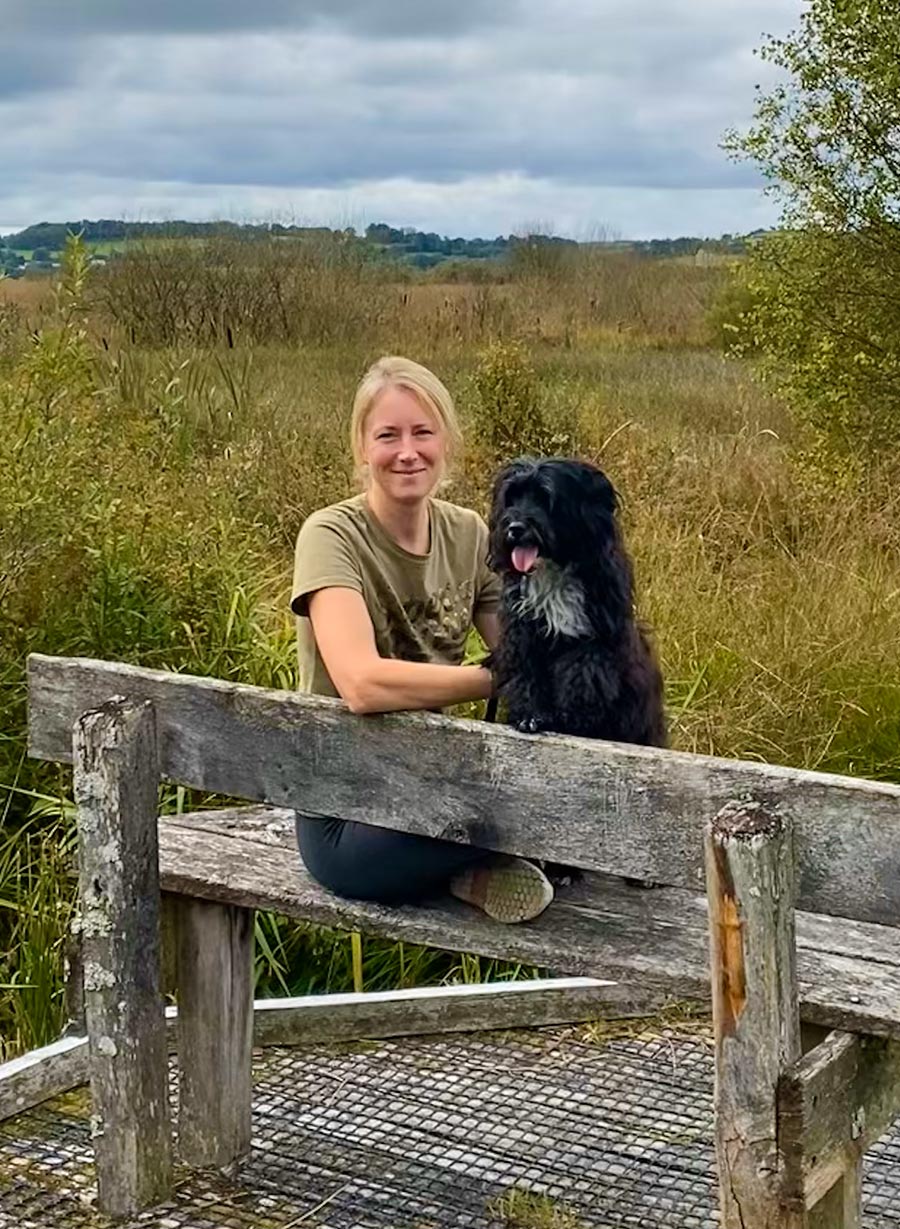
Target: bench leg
(841,1207)
(750,883)
(834,1103)
(115,783)
(214,957)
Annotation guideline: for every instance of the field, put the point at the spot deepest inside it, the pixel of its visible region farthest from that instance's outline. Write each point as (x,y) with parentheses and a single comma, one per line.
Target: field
(167,424)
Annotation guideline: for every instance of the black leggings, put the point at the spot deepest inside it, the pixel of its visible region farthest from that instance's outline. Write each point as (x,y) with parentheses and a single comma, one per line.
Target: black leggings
(368,863)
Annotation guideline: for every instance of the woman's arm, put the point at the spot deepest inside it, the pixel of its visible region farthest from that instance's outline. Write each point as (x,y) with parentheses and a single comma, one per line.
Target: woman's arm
(488,625)
(370,683)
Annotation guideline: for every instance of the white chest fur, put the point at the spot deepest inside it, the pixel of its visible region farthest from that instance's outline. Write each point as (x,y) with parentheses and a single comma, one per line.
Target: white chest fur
(553,594)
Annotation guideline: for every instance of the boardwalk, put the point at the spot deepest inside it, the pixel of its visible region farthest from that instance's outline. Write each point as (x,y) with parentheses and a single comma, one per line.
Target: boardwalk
(612,1126)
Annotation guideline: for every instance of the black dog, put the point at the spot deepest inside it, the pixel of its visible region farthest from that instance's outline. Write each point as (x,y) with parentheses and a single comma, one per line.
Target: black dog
(572,658)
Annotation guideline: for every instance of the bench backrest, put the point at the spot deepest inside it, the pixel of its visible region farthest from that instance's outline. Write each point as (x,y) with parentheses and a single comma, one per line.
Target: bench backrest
(626,810)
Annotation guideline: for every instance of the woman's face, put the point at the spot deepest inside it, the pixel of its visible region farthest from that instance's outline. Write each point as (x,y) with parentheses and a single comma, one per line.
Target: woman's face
(404,446)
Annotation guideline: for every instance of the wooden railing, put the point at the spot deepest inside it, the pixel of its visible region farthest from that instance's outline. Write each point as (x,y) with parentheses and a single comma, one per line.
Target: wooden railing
(764,840)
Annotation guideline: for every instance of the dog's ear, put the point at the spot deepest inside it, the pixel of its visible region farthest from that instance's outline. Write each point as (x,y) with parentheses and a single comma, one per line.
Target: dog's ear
(516,468)
(598,495)
(603,490)
(598,510)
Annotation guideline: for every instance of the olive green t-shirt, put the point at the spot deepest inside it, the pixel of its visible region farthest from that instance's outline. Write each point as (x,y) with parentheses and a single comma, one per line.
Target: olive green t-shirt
(421,606)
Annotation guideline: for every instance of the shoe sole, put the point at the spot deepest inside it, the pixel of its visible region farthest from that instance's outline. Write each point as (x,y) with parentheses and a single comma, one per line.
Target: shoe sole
(510,893)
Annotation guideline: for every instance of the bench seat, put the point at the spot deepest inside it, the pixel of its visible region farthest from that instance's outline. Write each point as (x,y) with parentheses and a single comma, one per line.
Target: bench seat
(849,972)
(799,919)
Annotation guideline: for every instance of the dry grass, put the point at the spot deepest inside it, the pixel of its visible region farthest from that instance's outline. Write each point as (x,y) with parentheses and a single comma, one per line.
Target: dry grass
(152,495)
(33,295)
(675,1020)
(521,1209)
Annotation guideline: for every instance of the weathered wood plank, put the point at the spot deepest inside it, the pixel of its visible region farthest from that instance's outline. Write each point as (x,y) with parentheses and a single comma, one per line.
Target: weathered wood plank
(44,1073)
(756,1023)
(448,1009)
(842,1206)
(834,1103)
(627,810)
(816,933)
(116,781)
(600,926)
(214,958)
(40,1074)
(35,1077)
(818,1127)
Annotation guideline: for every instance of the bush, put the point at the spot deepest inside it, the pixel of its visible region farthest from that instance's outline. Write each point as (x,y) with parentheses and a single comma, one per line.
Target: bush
(729,315)
(507,408)
(234,291)
(824,326)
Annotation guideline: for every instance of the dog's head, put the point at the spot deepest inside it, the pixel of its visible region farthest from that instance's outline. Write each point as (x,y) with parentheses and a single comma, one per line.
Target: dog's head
(559,510)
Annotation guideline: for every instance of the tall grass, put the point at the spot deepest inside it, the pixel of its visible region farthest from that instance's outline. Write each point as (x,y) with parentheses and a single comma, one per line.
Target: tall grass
(35,910)
(158,466)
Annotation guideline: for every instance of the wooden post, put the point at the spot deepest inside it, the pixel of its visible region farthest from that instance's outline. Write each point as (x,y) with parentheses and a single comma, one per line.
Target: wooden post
(834,1103)
(842,1206)
(750,882)
(115,786)
(214,952)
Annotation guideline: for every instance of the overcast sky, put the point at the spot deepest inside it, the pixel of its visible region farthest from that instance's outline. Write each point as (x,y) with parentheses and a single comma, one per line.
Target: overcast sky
(476,117)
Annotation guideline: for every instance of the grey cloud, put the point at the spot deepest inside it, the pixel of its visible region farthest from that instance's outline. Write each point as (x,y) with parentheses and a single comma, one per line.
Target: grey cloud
(32,67)
(306,145)
(378,18)
(271,96)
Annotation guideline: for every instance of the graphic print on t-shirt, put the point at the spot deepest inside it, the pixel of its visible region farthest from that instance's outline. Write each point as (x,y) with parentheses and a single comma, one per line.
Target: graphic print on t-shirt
(435,627)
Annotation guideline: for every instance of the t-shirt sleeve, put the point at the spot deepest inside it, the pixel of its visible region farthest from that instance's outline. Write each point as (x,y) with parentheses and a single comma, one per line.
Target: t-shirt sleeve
(324,558)
(487,583)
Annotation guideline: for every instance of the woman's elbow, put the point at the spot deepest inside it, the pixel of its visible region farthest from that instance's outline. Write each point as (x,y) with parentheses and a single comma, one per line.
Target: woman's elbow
(359,695)
(358,704)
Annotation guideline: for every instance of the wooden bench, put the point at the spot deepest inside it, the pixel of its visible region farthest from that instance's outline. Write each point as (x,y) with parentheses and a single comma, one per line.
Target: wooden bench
(781,903)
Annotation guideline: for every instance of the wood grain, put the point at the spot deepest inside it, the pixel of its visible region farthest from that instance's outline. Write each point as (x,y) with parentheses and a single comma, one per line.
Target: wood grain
(755,1018)
(834,1103)
(625,810)
(447,1009)
(43,1073)
(848,973)
(116,782)
(214,976)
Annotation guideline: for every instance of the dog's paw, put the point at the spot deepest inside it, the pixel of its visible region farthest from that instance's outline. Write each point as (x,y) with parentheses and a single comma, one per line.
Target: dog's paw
(529,725)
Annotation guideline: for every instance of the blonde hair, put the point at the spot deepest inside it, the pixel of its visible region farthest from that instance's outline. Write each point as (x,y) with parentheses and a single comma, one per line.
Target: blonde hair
(393,371)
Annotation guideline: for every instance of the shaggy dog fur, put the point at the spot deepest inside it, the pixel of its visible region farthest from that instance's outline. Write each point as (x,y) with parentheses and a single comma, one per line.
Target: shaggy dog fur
(572,657)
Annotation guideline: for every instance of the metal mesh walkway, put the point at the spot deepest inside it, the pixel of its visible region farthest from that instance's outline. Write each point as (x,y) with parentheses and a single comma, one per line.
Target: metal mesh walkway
(549,1129)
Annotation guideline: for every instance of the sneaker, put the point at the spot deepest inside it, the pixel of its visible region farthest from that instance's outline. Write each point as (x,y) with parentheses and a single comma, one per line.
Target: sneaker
(508,889)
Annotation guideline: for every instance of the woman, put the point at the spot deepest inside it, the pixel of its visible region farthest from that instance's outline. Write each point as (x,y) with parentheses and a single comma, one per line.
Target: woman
(387,585)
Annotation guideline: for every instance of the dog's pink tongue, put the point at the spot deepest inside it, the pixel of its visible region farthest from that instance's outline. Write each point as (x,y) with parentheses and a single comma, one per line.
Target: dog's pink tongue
(524,558)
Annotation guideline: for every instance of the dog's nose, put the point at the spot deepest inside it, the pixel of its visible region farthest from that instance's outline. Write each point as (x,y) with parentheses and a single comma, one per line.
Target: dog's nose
(515,530)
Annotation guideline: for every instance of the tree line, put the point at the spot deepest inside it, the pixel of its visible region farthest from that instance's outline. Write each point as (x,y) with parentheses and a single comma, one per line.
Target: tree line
(421,248)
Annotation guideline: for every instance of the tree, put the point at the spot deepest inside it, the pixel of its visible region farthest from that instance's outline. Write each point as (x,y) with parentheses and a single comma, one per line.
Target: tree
(825,304)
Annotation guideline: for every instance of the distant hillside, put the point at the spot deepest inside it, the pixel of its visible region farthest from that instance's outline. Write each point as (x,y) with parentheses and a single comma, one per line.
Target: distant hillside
(420,248)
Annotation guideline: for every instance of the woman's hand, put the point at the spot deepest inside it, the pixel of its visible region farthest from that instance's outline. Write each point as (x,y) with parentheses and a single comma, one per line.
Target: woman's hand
(370,683)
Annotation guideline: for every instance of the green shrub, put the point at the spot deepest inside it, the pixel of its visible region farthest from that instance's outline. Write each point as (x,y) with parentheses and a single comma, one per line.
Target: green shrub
(729,315)
(508,407)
